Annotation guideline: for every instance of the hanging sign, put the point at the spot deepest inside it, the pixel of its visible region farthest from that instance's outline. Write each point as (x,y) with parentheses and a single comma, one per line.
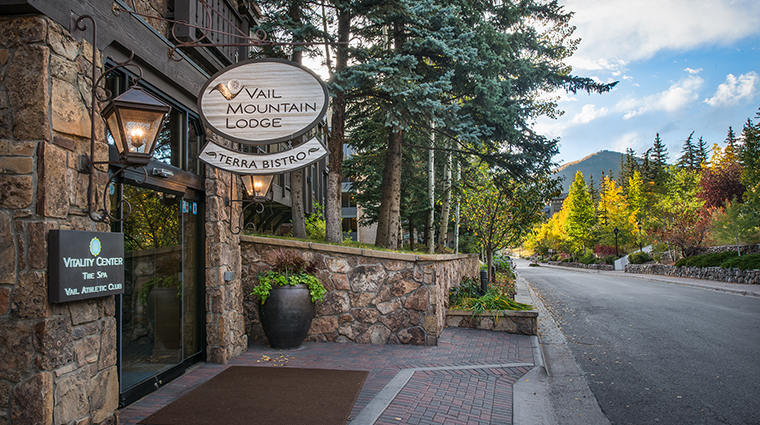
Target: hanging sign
(274,163)
(263,101)
(84,265)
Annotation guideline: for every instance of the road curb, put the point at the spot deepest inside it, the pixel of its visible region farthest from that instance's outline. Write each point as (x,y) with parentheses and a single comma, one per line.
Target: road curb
(555,390)
(669,280)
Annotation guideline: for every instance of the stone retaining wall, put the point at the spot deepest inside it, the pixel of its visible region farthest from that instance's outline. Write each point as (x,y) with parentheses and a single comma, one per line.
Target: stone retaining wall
(373,296)
(514,322)
(582,266)
(710,273)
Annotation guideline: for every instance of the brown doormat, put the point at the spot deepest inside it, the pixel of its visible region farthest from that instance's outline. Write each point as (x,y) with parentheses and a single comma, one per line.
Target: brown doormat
(266,395)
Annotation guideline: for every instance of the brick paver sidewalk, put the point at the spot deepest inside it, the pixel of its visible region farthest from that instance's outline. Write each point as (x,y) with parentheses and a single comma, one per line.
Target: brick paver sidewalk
(466,379)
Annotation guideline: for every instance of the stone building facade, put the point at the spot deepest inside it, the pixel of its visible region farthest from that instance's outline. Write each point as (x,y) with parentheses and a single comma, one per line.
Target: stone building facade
(61,363)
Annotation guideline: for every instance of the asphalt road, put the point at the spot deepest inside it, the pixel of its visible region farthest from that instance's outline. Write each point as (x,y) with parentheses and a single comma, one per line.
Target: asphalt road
(657,353)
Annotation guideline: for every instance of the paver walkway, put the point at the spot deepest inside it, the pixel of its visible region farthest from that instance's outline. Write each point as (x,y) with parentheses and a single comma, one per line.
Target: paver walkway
(466,379)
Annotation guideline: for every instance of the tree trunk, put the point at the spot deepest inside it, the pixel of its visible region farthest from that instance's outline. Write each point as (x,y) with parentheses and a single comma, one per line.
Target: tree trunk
(333,228)
(456,219)
(430,223)
(443,233)
(390,198)
(296,177)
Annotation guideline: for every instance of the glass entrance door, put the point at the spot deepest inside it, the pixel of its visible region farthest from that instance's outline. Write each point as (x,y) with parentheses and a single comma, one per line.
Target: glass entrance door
(159,316)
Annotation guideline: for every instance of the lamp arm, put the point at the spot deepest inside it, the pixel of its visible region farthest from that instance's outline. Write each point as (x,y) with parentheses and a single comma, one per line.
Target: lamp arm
(89,165)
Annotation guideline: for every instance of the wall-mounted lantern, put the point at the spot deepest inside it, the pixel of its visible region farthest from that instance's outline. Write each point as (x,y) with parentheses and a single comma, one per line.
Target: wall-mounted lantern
(134,118)
(256,188)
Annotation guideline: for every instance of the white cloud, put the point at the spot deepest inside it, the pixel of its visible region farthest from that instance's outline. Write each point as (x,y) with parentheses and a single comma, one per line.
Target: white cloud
(628,140)
(734,90)
(587,114)
(676,97)
(693,71)
(620,31)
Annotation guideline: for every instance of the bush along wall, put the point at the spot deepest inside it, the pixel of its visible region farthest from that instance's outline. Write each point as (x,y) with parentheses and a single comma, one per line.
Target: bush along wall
(373,297)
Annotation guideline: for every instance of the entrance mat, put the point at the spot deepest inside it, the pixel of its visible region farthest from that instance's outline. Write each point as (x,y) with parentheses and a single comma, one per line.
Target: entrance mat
(243,395)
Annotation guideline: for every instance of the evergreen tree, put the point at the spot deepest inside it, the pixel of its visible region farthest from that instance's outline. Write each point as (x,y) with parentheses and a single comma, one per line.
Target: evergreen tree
(731,139)
(659,162)
(701,152)
(580,215)
(628,165)
(749,158)
(592,188)
(688,157)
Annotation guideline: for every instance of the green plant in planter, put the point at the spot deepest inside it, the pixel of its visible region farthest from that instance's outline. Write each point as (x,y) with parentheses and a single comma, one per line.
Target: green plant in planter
(169,281)
(290,269)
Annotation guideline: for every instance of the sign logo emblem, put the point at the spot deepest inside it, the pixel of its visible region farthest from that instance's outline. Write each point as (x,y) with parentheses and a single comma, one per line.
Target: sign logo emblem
(95,246)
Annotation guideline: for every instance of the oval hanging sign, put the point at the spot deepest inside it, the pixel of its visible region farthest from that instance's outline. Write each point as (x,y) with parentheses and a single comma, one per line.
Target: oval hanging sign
(263,101)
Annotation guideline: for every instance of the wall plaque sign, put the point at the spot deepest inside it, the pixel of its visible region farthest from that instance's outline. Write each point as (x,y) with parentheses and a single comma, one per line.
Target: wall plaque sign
(264,164)
(263,101)
(84,265)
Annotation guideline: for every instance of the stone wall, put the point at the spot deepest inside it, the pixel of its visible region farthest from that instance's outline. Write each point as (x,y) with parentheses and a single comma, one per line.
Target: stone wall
(57,361)
(373,296)
(582,266)
(514,322)
(225,321)
(710,273)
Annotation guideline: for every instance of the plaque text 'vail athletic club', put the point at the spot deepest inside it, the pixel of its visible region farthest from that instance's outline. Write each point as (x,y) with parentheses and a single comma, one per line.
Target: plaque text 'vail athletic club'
(263,101)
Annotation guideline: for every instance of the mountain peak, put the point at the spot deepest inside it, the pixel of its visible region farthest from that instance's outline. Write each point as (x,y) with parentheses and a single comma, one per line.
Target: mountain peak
(594,165)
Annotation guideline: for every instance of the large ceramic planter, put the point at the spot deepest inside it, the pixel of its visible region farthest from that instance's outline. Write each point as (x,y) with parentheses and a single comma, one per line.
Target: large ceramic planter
(286,316)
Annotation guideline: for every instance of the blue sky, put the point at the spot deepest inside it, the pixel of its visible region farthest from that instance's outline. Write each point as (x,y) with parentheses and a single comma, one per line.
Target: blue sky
(682,66)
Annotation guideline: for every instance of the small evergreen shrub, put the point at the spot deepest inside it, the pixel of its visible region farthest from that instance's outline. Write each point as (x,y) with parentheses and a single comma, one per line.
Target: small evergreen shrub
(639,257)
(610,259)
(745,262)
(706,260)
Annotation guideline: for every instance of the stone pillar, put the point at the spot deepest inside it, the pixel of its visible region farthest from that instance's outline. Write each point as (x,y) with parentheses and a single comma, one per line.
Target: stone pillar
(225,321)
(57,361)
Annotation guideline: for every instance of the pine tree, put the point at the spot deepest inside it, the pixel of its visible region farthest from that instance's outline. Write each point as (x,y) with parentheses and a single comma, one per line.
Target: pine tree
(749,158)
(580,214)
(688,157)
(701,152)
(628,165)
(659,162)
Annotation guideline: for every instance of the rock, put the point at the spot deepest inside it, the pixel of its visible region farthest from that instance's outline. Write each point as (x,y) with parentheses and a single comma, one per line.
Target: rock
(8,265)
(323,325)
(352,329)
(337,265)
(366,315)
(26,81)
(71,397)
(16,345)
(107,344)
(20,31)
(84,311)
(30,296)
(396,320)
(333,303)
(104,394)
(32,402)
(53,343)
(418,300)
(16,192)
(367,278)
(403,285)
(413,336)
(360,300)
(376,334)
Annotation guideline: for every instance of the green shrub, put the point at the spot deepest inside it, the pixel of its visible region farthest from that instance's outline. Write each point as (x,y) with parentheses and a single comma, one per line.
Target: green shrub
(706,260)
(315,223)
(469,287)
(588,258)
(745,262)
(639,257)
(610,259)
